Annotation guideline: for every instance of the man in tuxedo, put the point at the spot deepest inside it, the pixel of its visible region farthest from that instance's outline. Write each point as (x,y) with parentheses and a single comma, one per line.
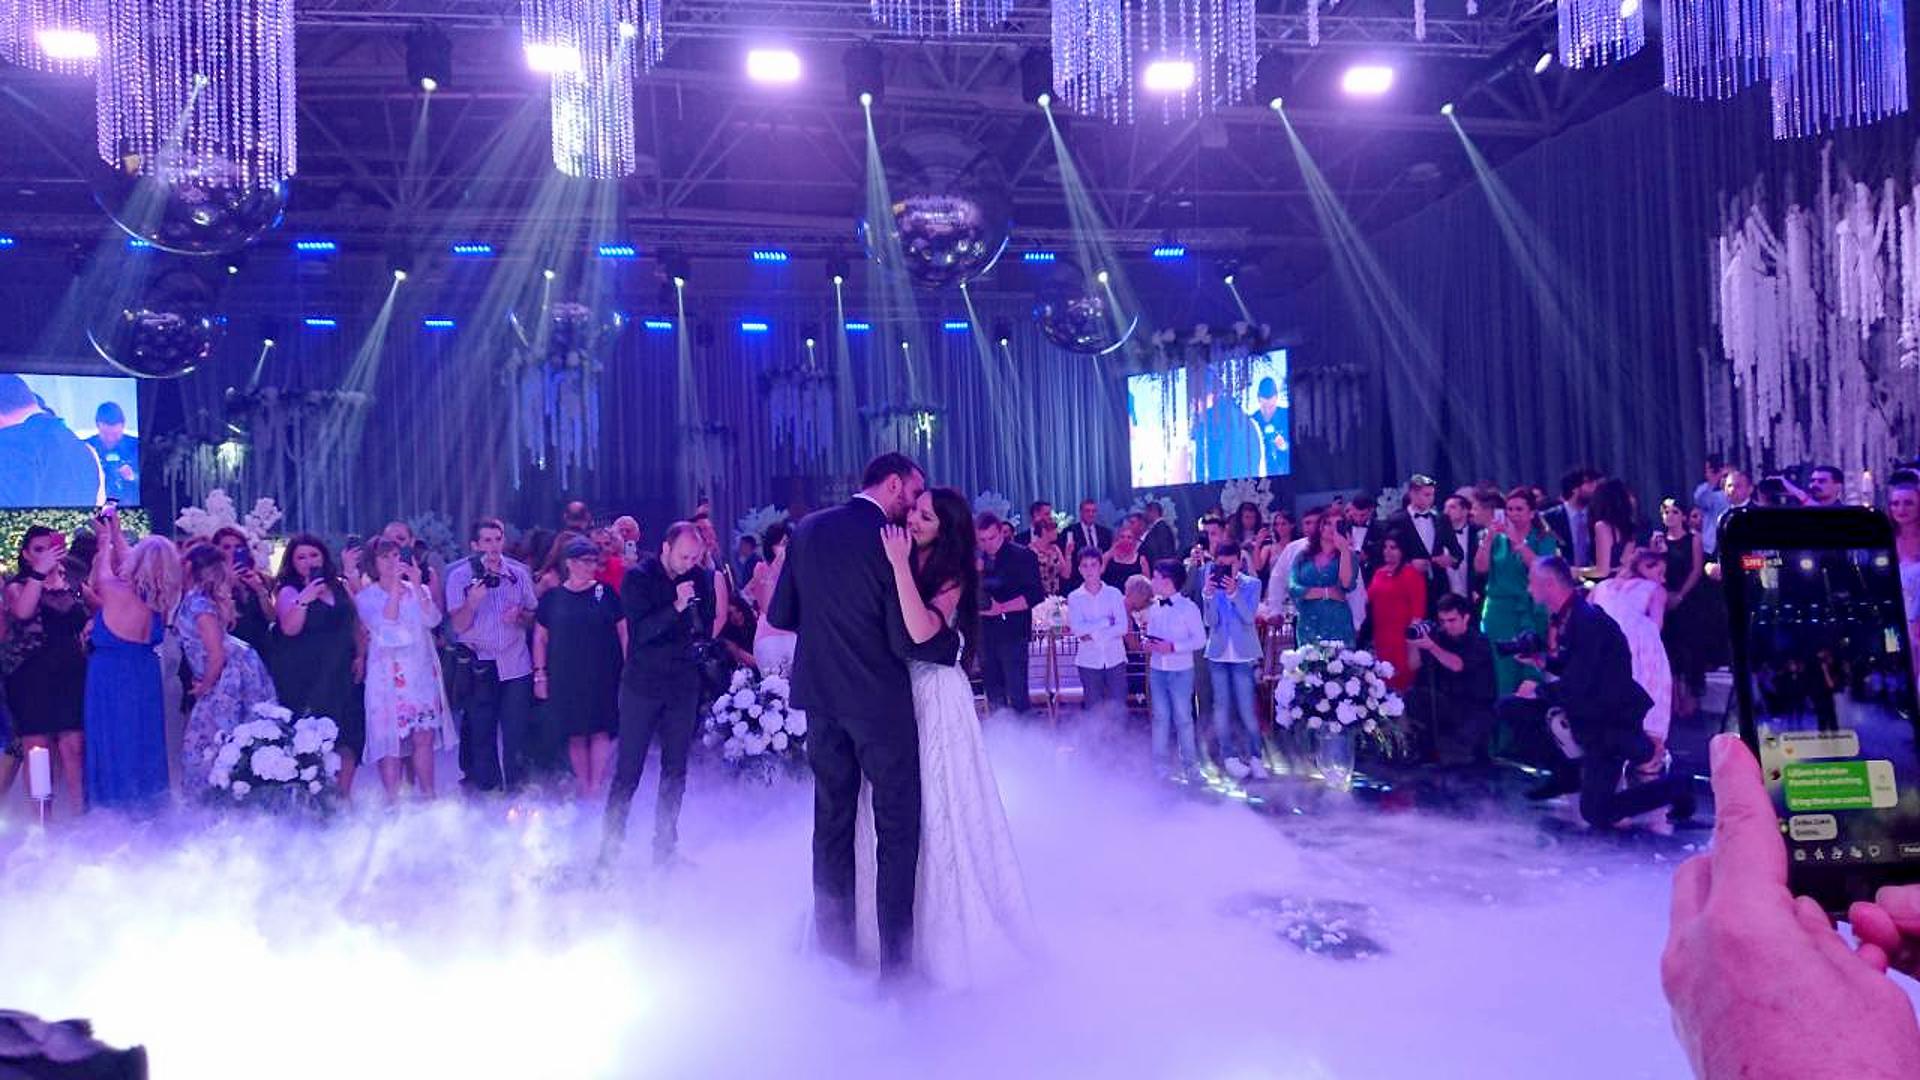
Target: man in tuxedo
(1088,532)
(1009,589)
(850,675)
(1426,537)
(1366,534)
(1159,542)
(1572,525)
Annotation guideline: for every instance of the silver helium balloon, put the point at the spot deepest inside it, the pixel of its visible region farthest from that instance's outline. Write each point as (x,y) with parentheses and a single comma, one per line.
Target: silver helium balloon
(1076,313)
(197,211)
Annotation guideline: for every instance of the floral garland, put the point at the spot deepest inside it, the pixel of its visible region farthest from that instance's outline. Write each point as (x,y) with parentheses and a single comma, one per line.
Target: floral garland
(756,521)
(553,380)
(759,734)
(992,502)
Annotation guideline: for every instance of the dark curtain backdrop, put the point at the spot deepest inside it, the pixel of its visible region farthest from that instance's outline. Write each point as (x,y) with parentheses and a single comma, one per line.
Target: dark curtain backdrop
(1595,342)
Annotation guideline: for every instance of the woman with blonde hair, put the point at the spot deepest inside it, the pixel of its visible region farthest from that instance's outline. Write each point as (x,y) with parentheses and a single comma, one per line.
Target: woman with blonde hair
(126,726)
(229,678)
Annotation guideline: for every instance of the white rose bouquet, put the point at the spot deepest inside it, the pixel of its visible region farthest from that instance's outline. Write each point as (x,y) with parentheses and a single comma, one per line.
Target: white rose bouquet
(1328,688)
(756,728)
(276,761)
(1051,614)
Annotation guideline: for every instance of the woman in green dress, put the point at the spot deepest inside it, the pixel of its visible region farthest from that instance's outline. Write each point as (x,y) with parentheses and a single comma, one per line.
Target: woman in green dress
(1322,577)
(1507,551)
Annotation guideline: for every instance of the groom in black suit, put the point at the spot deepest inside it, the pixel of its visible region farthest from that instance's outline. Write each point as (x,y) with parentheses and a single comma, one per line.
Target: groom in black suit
(850,675)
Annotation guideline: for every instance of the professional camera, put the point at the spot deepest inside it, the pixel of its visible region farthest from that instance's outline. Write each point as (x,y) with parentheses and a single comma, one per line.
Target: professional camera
(1525,643)
(1419,628)
(481,574)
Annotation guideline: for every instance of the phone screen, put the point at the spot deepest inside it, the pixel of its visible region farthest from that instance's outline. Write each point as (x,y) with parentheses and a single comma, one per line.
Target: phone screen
(1830,689)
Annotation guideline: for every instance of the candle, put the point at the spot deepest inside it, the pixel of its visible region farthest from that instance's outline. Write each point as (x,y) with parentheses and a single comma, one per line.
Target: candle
(39,773)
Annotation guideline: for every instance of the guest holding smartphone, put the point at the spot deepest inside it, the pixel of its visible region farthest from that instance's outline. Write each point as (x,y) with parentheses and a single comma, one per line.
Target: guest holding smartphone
(229,678)
(321,657)
(407,712)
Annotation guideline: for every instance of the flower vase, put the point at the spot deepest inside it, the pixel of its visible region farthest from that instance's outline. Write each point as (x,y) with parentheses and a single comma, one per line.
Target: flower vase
(1333,752)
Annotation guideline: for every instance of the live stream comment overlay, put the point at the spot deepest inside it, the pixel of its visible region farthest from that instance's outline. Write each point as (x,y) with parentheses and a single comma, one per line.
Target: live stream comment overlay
(1817,776)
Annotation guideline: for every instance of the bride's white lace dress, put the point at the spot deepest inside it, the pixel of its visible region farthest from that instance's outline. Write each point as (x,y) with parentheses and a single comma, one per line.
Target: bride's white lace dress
(971,922)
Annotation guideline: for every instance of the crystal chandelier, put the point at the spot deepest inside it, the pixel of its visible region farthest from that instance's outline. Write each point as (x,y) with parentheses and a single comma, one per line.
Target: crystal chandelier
(593,49)
(923,18)
(1712,49)
(1111,58)
(48,35)
(198,90)
(1596,32)
(1835,63)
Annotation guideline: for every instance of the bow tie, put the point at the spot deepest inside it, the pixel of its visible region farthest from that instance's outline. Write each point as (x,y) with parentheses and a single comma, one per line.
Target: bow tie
(1164,601)
(1427,514)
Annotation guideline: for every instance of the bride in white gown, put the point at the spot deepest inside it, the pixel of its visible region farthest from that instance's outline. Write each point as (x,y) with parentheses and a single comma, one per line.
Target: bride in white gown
(971,921)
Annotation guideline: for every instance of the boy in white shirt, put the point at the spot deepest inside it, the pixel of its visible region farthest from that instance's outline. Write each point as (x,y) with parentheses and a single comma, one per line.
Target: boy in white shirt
(1098,618)
(1175,631)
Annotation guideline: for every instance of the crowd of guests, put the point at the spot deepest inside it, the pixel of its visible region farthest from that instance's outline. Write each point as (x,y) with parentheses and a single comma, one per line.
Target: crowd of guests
(563,655)
(536,660)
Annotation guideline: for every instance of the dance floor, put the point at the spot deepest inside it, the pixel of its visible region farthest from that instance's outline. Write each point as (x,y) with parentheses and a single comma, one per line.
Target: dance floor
(1186,937)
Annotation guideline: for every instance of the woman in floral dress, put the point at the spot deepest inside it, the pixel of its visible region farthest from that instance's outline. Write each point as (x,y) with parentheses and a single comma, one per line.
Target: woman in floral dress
(407,712)
(229,678)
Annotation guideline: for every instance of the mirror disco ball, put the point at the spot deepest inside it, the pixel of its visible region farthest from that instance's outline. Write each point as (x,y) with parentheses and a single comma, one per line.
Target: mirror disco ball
(1074,313)
(166,333)
(199,212)
(950,213)
(156,343)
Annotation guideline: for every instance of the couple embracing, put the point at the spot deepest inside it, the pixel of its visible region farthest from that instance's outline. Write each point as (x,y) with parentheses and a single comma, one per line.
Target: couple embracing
(913,864)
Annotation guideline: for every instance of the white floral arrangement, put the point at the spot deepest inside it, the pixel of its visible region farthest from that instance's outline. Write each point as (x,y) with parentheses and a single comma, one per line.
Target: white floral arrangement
(1235,493)
(756,728)
(220,513)
(757,521)
(1325,688)
(276,760)
(992,502)
(1051,613)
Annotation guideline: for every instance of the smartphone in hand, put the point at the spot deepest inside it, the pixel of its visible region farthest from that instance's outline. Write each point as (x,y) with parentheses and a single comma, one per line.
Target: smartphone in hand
(1823,678)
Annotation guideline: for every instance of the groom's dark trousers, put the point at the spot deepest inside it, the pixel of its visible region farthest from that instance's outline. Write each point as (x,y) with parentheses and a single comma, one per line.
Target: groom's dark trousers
(890,757)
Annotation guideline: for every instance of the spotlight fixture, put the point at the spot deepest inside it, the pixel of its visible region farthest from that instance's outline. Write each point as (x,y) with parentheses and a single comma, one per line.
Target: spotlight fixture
(679,268)
(956,326)
(472,250)
(315,247)
(7,242)
(1272,78)
(839,268)
(1036,77)
(1367,80)
(1447,109)
(1227,280)
(429,58)
(1170,251)
(65,46)
(1629,8)
(1002,331)
(1101,277)
(864,66)
(266,343)
(548,58)
(1168,76)
(548,274)
(753,326)
(617,251)
(399,275)
(770,255)
(859,327)
(437,323)
(1039,256)
(658,326)
(1541,65)
(773,65)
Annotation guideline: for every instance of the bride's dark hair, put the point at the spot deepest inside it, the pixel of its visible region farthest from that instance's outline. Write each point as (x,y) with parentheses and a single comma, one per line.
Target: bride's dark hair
(950,559)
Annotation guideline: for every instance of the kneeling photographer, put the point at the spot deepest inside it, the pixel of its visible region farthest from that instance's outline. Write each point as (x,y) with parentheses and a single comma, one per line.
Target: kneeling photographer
(1589,706)
(1451,703)
(669,605)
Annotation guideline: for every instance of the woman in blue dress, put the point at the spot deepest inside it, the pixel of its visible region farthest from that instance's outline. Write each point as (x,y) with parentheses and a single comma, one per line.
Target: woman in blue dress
(126,762)
(1322,576)
(229,678)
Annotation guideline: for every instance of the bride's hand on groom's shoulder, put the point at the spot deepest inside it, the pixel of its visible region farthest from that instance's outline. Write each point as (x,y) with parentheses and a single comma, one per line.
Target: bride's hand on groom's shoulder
(896,542)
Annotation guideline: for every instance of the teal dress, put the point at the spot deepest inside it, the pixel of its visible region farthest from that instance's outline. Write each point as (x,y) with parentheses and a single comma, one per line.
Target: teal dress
(1320,620)
(1510,610)
(126,759)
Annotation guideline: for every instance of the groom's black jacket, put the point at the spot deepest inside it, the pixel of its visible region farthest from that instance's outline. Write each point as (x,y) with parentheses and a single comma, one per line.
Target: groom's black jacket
(837,592)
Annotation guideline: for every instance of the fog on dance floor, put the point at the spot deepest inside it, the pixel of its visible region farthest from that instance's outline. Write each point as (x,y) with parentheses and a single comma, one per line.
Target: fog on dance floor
(456,942)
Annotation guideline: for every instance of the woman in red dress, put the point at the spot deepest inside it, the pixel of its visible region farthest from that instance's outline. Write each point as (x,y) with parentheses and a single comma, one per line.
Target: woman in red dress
(1398,594)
